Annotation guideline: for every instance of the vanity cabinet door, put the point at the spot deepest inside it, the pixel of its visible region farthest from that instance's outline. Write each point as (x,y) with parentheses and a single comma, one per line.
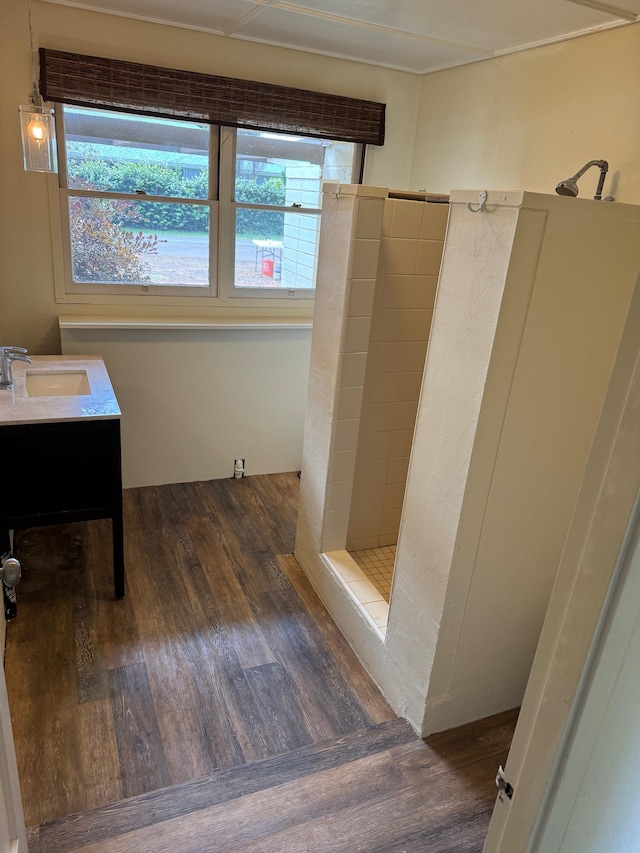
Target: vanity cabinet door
(69,469)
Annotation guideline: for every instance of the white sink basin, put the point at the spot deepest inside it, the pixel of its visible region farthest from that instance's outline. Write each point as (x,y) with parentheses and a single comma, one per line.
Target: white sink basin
(56,383)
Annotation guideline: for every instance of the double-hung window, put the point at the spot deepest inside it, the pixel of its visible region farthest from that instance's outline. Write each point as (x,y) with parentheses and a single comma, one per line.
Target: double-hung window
(138,207)
(172,208)
(187,185)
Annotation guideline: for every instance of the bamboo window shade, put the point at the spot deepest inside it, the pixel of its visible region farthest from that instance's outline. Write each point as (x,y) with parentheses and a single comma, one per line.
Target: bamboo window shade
(93,81)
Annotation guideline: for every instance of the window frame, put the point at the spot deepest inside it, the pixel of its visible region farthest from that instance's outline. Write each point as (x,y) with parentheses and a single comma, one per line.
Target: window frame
(221,290)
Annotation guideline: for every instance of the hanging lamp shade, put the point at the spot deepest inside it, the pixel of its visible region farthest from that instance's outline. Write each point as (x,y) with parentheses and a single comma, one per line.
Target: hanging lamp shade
(38,138)
(37,124)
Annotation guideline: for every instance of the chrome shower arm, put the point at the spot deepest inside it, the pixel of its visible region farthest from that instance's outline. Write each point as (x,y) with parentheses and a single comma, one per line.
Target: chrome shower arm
(570,186)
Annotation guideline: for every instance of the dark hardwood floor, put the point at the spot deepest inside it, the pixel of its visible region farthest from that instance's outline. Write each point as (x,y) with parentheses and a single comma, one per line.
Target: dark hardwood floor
(217,707)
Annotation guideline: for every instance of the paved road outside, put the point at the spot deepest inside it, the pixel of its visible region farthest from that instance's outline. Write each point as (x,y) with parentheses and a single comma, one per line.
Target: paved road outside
(183,260)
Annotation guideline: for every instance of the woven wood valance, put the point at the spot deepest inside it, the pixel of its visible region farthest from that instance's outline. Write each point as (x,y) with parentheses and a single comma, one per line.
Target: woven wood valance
(93,81)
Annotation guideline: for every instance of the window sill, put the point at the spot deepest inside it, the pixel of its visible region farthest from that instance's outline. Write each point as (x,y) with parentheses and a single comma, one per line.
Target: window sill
(84,321)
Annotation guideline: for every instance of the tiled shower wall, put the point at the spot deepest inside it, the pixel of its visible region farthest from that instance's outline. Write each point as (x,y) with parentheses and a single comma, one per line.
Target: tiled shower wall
(411,245)
(347,269)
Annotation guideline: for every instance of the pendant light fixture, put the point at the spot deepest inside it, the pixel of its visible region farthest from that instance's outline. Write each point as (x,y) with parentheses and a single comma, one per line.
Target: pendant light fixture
(37,125)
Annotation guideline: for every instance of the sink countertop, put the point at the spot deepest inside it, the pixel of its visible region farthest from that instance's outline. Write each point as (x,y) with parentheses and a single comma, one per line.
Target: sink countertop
(101,404)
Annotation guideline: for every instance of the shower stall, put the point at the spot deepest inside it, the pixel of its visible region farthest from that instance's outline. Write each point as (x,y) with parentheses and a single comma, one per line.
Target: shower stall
(469,459)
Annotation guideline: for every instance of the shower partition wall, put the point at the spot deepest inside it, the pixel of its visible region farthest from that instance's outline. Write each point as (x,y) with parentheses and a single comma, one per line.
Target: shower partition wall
(378,272)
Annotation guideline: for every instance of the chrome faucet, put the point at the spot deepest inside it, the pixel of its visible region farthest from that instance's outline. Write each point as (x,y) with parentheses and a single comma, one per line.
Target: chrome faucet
(7,355)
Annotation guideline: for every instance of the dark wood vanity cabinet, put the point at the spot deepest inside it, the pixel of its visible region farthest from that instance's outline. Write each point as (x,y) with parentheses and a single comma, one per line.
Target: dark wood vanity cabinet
(53,473)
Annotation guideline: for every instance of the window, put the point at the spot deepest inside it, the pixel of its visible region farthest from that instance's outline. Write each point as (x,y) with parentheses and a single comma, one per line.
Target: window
(276,208)
(159,207)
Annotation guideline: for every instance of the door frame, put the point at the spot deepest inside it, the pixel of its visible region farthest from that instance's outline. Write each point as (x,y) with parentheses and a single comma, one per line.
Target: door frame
(588,576)
(13,836)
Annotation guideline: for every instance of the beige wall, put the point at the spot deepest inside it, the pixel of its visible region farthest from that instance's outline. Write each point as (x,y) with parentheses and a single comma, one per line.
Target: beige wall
(189,399)
(531,119)
(28,310)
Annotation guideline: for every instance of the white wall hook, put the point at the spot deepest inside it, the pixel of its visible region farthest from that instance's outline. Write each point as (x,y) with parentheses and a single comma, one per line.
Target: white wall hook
(482,203)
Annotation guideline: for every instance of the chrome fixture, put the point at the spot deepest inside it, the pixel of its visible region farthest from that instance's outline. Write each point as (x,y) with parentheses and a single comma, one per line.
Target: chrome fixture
(8,355)
(37,125)
(570,186)
(10,570)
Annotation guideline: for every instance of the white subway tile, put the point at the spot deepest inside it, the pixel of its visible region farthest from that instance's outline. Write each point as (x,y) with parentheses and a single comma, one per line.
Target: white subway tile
(429,257)
(400,442)
(408,385)
(375,445)
(387,217)
(397,356)
(335,524)
(372,472)
(393,324)
(390,522)
(353,369)
(346,435)
(357,334)
(350,402)
(339,494)
(364,525)
(419,324)
(394,291)
(394,496)
(423,294)
(407,219)
(333,544)
(361,297)
(397,470)
(370,212)
(434,221)
(383,417)
(342,465)
(398,257)
(362,544)
(368,499)
(365,259)
(380,388)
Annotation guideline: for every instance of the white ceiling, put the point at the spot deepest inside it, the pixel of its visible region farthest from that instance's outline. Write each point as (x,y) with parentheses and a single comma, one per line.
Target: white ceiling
(410,35)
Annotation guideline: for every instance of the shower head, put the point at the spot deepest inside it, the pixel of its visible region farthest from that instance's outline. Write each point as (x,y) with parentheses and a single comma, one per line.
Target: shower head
(570,186)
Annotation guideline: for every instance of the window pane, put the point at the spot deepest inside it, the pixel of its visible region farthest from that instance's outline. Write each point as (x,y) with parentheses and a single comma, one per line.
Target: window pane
(116,152)
(131,242)
(282,170)
(276,249)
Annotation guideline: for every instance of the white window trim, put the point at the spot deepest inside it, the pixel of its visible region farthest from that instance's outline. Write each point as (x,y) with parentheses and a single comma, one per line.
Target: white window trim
(222,297)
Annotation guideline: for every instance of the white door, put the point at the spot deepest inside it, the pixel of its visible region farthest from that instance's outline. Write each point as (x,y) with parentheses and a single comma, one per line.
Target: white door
(594,800)
(589,575)
(13,837)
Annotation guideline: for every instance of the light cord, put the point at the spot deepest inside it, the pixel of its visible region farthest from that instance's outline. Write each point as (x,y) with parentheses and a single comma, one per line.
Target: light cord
(36,98)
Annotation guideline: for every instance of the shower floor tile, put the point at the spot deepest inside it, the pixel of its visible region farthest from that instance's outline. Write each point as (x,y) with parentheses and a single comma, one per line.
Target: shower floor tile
(377,564)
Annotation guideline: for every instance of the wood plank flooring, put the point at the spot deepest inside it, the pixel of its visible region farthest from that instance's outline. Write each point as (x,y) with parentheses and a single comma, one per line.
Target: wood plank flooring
(377,789)
(216,707)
